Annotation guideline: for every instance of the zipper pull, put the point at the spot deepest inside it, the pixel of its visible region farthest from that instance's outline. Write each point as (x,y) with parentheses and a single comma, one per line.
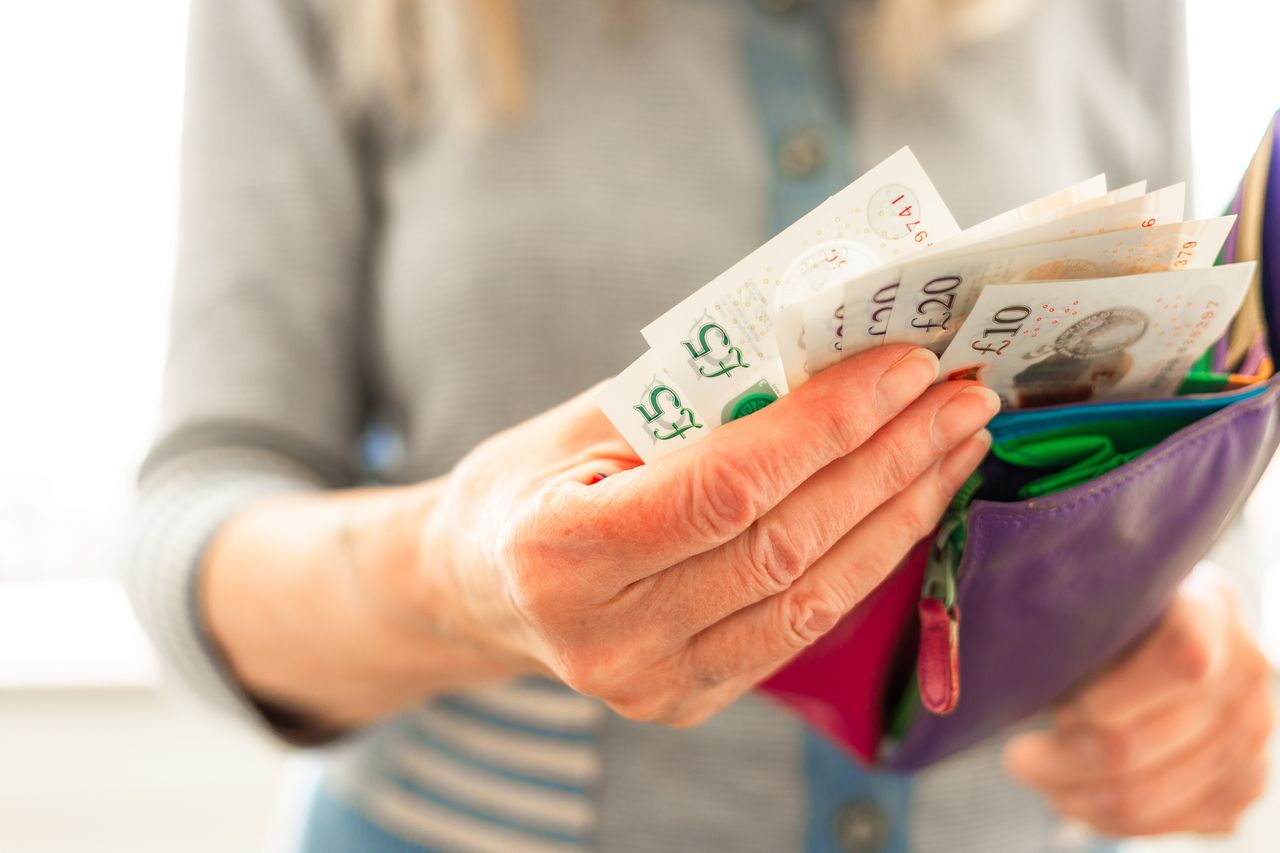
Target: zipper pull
(938,665)
(938,659)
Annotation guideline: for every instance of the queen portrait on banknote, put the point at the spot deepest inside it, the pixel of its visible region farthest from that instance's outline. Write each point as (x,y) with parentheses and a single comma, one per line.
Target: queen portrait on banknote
(409,506)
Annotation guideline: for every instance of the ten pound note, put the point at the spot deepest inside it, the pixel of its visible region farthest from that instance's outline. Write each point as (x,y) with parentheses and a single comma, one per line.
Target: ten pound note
(1133,337)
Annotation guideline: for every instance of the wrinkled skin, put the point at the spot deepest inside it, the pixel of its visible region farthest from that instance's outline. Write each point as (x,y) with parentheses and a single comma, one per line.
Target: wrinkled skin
(667,590)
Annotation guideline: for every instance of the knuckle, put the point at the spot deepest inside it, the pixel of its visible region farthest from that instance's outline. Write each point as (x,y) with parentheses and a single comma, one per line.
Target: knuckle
(654,707)
(1117,750)
(1256,666)
(1123,805)
(1230,823)
(898,462)
(523,555)
(1254,788)
(584,680)
(530,591)
(830,418)
(619,671)
(914,518)
(1258,733)
(1229,812)
(1189,658)
(778,554)
(805,619)
(707,674)
(721,500)
(592,671)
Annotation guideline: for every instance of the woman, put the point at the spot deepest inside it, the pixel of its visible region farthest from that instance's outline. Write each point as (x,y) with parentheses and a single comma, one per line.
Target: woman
(411,229)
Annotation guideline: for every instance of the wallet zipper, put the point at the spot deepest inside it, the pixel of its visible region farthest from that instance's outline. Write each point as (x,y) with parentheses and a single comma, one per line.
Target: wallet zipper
(938,659)
(938,656)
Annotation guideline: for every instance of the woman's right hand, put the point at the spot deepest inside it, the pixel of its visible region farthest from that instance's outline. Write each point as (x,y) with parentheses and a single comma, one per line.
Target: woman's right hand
(669,589)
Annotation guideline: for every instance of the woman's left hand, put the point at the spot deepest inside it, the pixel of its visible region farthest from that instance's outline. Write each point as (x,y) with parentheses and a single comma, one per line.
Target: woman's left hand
(1172,738)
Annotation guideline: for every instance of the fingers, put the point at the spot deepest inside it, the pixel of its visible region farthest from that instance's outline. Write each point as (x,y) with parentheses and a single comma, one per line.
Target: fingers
(1220,812)
(1157,799)
(1185,763)
(656,515)
(780,546)
(1186,650)
(771,631)
(1078,753)
(1217,812)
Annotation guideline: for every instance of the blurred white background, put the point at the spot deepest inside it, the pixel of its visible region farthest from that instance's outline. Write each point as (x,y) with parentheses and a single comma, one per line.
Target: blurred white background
(96,752)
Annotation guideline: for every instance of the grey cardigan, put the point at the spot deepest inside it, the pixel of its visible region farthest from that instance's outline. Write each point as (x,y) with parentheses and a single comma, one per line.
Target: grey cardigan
(451,284)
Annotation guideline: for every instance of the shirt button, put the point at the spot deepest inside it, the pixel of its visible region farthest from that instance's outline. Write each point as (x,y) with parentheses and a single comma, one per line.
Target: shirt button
(861,827)
(802,153)
(781,7)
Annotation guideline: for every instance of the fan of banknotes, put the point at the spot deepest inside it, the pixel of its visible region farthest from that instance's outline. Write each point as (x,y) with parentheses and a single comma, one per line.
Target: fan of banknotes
(1085,294)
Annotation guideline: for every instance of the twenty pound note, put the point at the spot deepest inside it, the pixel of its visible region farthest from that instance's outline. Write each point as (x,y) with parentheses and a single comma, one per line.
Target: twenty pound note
(934,298)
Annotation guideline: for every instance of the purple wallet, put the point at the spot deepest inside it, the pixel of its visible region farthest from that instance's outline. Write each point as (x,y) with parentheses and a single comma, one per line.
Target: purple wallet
(1049,589)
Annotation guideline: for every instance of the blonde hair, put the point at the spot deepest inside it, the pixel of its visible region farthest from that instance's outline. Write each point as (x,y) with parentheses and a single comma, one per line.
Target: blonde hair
(392,55)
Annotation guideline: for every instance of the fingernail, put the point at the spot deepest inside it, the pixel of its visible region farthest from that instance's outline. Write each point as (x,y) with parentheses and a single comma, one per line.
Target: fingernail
(906,379)
(964,414)
(959,463)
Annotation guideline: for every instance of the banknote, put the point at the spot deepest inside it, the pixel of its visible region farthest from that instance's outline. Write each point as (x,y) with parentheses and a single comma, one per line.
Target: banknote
(719,343)
(870,303)
(835,327)
(1038,213)
(935,297)
(657,414)
(1082,294)
(1053,204)
(821,310)
(1130,337)
(1123,209)
(812,291)
(649,408)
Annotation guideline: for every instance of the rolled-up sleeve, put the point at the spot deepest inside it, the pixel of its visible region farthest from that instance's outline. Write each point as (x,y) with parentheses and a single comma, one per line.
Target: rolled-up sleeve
(262,390)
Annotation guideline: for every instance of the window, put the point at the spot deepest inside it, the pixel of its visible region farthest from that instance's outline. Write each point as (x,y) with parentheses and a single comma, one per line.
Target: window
(87,212)
(92,94)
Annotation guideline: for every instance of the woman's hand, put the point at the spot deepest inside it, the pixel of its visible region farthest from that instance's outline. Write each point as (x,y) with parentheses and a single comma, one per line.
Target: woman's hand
(669,589)
(1172,738)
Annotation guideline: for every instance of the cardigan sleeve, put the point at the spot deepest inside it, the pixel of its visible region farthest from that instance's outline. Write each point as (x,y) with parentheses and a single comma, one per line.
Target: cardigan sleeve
(262,389)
